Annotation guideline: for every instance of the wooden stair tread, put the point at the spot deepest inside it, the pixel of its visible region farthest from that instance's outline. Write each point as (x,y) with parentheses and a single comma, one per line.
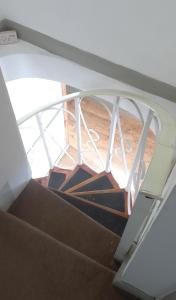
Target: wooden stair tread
(56,180)
(112,190)
(100,181)
(79,174)
(114,222)
(56,169)
(57,176)
(92,203)
(113,199)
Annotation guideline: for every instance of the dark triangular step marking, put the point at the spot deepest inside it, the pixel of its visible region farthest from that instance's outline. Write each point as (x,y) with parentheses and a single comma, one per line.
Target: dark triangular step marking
(57,177)
(91,203)
(79,174)
(115,223)
(44,180)
(56,180)
(114,199)
(100,181)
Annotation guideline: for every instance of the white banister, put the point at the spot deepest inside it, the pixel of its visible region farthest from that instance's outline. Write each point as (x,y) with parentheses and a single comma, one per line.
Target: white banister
(42,134)
(165,142)
(78,130)
(139,154)
(122,144)
(91,139)
(112,131)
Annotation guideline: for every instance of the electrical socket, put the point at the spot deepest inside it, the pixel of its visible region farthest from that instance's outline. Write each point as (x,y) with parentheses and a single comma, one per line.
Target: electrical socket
(8,37)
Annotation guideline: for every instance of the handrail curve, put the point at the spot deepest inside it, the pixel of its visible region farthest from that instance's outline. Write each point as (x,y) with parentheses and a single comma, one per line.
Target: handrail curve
(164,154)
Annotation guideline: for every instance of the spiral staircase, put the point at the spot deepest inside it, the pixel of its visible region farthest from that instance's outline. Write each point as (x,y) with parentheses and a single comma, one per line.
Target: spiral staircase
(97,195)
(62,232)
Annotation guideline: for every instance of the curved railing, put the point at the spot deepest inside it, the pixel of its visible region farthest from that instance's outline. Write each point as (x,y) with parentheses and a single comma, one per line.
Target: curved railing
(151,181)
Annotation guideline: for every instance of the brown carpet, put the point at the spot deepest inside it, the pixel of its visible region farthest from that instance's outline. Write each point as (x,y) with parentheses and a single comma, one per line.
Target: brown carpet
(50,213)
(34,266)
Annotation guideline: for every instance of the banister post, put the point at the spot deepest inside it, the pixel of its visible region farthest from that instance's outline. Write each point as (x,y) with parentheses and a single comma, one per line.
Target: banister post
(122,144)
(78,130)
(139,153)
(42,134)
(112,134)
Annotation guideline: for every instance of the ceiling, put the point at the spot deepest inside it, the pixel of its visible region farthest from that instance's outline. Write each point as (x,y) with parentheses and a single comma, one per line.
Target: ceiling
(138,34)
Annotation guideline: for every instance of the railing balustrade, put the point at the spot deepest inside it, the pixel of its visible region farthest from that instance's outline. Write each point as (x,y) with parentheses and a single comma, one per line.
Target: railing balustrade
(136,175)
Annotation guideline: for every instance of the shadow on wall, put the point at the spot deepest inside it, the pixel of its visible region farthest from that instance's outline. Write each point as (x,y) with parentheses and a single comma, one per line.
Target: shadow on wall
(14,167)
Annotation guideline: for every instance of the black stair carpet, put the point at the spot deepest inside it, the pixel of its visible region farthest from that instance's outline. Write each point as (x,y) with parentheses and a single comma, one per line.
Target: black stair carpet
(80,176)
(112,200)
(113,222)
(56,180)
(101,183)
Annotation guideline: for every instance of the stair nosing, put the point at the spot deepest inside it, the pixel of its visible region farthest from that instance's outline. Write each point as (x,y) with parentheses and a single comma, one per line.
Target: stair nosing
(83,167)
(106,191)
(85,182)
(111,210)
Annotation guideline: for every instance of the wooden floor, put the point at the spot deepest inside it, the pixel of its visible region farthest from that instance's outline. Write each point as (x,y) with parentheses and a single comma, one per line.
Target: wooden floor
(97,118)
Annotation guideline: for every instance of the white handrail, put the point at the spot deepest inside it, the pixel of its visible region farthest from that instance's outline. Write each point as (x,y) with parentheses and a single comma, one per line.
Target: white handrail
(112,134)
(43,139)
(164,151)
(78,130)
(140,147)
(91,139)
(138,160)
(137,110)
(124,158)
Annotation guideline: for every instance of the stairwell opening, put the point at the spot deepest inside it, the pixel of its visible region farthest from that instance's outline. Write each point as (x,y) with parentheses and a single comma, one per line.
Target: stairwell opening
(52,137)
(98,121)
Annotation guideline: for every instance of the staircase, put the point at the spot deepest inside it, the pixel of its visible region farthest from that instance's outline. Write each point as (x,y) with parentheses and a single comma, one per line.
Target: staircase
(60,235)
(54,246)
(97,195)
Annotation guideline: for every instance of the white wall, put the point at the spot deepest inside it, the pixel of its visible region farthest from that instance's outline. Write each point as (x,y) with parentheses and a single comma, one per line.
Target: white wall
(136,34)
(2,15)
(151,267)
(32,61)
(14,168)
(27,94)
(136,221)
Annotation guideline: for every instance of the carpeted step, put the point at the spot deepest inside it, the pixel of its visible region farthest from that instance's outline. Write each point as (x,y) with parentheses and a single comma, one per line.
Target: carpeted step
(50,213)
(79,174)
(113,221)
(57,177)
(56,180)
(91,203)
(100,181)
(36,266)
(112,198)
